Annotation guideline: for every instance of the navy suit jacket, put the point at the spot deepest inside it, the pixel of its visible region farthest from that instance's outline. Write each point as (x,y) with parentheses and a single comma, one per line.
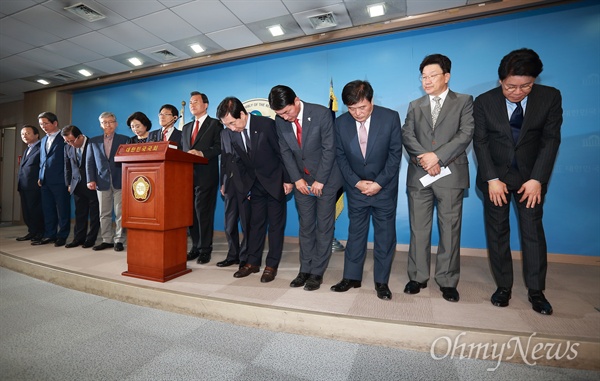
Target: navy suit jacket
(52,163)
(156,136)
(382,162)
(29,169)
(100,168)
(206,176)
(74,171)
(538,141)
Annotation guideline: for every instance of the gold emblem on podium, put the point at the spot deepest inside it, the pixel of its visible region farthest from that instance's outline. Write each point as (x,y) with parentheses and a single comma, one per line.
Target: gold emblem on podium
(141,189)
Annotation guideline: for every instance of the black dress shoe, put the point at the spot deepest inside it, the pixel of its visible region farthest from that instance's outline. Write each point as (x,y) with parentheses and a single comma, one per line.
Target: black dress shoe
(299,280)
(36,238)
(450,294)
(313,282)
(414,287)
(268,275)
(60,242)
(193,254)
(227,263)
(242,264)
(102,246)
(246,270)
(383,291)
(27,237)
(539,303)
(88,244)
(203,258)
(43,241)
(73,244)
(119,246)
(501,297)
(345,285)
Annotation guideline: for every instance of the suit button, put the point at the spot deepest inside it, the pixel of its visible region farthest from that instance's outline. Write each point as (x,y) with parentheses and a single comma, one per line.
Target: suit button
(433,142)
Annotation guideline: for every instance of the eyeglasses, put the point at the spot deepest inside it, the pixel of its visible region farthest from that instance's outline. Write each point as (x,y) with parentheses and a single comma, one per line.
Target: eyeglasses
(512,88)
(159,115)
(107,122)
(428,77)
(72,141)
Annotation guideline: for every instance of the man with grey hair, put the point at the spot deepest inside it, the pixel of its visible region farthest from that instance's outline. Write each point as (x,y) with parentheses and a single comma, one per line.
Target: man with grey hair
(104,176)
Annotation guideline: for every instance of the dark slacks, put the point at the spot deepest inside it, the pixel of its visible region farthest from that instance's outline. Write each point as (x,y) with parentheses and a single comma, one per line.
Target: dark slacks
(237,208)
(86,209)
(205,201)
(56,204)
(31,207)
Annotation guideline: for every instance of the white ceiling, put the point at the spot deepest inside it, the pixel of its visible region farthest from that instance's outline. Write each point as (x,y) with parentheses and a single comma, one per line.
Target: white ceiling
(40,39)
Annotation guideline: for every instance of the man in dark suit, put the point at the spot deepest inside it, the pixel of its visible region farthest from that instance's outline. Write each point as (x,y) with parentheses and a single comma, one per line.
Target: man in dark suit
(56,201)
(27,185)
(437,131)
(86,200)
(167,116)
(260,177)
(517,135)
(105,177)
(369,149)
(202,137)
(307,144)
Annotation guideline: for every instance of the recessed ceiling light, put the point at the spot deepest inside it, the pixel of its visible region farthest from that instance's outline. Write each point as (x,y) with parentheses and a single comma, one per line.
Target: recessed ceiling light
(376,10)
(43,82)
(276,30)
(197,48)
(135,61)
(85,73)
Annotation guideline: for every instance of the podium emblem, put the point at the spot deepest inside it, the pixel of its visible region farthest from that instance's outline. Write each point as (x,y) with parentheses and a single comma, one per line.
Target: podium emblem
(141,189)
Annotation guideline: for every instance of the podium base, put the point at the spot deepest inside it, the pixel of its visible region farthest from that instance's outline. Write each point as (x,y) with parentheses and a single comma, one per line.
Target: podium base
(157,279)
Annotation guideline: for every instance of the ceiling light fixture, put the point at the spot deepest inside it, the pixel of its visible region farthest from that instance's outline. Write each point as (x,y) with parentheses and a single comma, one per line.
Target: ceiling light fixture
(276,30)
(197,48)
(376,10)
(135,61)
(43,82)
(85,73)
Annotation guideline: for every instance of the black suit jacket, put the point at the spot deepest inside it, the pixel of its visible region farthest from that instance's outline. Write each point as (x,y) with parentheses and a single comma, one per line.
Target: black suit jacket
(208,141)
(29,169)
(75,172)
(538,141)
(156,136)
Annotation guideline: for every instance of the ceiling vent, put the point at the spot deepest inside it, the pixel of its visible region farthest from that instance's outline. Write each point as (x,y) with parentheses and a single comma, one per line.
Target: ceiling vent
(63,77)
(325,20)
(165,55)
(85,12)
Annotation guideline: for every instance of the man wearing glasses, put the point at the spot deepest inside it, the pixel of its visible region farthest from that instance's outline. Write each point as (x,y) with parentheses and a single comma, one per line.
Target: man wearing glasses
(517,134)
(104,176)
(167,116)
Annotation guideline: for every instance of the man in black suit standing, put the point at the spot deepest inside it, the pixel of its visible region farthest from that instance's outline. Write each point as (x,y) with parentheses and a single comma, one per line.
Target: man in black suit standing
(369,149)
(307,143)
(261,177)
(202,137)
(516,139)
(167,116)
(86,200)
(27,186)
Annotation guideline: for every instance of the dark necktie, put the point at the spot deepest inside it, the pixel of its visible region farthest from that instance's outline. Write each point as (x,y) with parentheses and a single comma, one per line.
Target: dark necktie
(516,120)
(247,140)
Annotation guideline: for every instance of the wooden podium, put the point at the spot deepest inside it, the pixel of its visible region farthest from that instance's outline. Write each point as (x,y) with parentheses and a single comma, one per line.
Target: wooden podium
(157,201)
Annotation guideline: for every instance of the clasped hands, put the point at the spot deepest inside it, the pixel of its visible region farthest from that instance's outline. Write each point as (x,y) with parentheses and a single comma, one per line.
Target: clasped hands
(530,191)
(430,163)
(368,187)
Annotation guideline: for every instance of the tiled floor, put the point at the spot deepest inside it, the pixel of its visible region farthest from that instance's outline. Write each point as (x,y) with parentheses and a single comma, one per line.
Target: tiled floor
(209,291)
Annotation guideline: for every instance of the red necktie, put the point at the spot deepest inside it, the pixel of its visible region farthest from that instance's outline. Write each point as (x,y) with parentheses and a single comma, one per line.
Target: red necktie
(195,133)
(298,132)
(165,135)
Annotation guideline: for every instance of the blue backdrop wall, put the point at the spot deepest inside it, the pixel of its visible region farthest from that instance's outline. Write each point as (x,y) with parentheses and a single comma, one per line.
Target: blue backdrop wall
(566,37)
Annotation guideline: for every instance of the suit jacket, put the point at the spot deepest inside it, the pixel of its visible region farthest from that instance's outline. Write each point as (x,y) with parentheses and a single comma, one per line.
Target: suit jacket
(206,176)
(52,163)
(75,171)
(317,154)
(156,136)
(100,168)
(382,162)
(232,168)
(449,140)
(538,141)
(29,169)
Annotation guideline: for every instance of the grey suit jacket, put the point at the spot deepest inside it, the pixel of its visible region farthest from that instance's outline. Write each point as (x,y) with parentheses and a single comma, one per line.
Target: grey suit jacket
(74,171)
(449,140)
(317,154)
(102,169)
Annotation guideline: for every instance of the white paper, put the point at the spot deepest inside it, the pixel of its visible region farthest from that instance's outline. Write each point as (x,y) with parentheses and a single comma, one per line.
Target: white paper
(427,180)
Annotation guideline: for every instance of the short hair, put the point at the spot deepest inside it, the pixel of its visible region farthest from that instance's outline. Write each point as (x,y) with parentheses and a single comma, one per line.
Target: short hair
(521,62)
(356,91)
(48,115)
(71,130)
(281,96)
(138,115)
(171,108)
(33,128)
(438,59)
(107,114)
(204,97)
(232,106)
